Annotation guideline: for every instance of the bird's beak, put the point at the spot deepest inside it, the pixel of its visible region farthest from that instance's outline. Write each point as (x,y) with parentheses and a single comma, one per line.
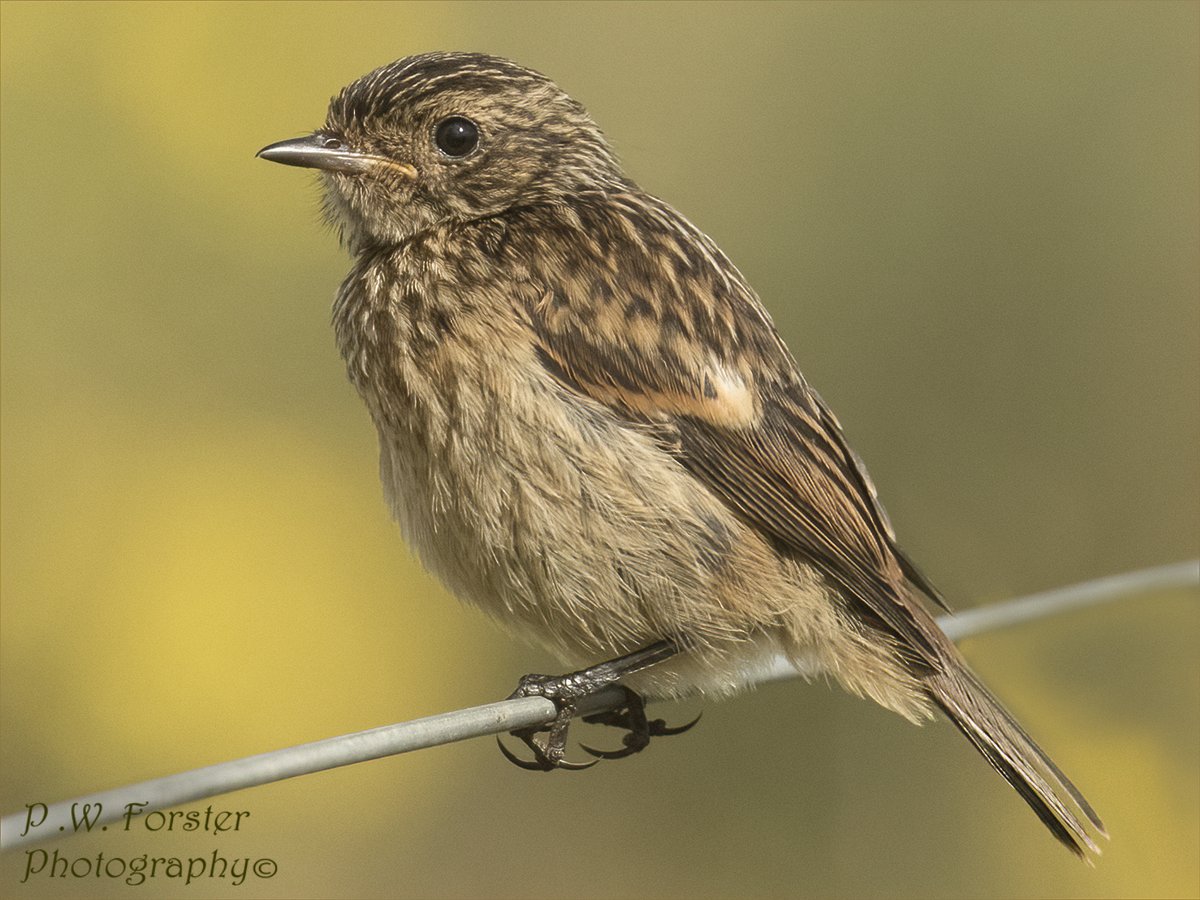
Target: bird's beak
(323,151)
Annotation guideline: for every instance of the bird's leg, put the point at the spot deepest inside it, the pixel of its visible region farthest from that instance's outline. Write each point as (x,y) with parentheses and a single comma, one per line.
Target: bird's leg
(565,691)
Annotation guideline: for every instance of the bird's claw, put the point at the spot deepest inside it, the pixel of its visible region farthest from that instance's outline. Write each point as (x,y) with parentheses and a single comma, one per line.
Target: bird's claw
(659,728)
(628,750)
(542,761)
(632,717)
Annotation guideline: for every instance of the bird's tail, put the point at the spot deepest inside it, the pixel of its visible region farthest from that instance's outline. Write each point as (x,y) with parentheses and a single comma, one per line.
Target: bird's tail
(1013,753)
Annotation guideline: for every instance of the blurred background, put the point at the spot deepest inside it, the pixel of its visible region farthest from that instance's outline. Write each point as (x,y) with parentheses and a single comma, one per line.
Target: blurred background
(976,226)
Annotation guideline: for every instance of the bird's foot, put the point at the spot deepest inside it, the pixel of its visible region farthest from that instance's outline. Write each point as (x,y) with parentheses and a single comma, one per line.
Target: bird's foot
(565,691)
(631,716)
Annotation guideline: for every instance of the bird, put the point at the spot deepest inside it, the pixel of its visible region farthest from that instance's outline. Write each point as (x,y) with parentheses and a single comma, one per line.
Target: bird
(591,429)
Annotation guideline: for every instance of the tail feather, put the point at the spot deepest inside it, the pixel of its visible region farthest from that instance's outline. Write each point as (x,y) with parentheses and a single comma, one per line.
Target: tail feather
(1022,763)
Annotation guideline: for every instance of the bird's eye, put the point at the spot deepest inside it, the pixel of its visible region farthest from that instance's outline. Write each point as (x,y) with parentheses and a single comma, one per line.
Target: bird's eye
(456,136)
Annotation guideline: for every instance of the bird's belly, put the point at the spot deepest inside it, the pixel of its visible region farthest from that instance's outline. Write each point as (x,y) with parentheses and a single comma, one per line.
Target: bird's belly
(586,536)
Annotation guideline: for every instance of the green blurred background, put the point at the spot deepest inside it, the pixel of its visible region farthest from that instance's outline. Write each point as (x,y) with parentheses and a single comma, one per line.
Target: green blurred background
(976,226)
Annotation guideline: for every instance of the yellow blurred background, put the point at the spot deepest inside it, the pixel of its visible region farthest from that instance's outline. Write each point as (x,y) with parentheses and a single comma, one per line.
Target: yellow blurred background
(977,228)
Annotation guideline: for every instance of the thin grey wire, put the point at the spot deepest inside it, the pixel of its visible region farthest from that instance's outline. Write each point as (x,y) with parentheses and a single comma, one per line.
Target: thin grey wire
(55,820)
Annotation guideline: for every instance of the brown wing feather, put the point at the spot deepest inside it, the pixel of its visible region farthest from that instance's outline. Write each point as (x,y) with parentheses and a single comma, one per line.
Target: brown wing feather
(672,336)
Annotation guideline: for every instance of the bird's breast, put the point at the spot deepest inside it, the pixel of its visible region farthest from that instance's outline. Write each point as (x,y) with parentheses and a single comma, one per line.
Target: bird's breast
(542,506)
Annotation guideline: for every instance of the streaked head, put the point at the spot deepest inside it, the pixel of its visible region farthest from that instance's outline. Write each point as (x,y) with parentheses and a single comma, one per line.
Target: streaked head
(445,137)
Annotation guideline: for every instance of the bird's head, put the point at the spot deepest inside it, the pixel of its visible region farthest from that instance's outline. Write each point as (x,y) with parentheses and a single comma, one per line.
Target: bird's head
(445,137)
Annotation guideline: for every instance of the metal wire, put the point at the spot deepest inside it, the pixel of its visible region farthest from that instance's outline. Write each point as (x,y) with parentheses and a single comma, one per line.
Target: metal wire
(497,718)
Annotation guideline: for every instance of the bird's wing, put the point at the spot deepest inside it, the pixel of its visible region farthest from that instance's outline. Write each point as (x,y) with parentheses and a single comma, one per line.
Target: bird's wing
(667,334)
(643,314)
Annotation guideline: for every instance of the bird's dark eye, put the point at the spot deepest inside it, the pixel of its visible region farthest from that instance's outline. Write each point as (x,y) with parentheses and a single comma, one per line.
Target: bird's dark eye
(456,136)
